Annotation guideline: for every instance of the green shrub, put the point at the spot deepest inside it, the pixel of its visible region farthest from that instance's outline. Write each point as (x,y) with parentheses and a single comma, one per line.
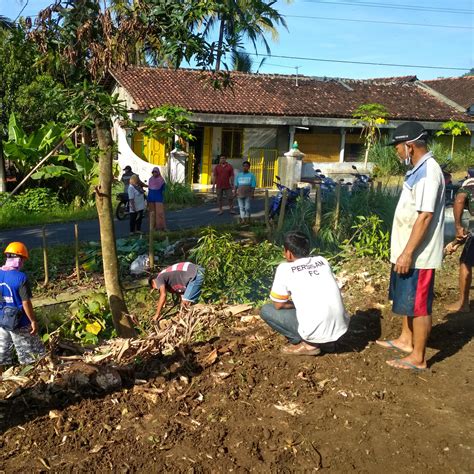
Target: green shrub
(35,200)
(179,194)
(369,239)
(385,160)
(463,157)
(235,271)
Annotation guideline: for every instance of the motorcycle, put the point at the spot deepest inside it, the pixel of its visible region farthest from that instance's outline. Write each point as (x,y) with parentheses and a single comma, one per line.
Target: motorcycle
(122,211)
(292,196)
(451,188)
(361,181)
(327,184)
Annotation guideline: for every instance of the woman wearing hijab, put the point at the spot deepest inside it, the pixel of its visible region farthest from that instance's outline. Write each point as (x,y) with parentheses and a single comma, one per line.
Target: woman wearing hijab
(18,324)
(156,189)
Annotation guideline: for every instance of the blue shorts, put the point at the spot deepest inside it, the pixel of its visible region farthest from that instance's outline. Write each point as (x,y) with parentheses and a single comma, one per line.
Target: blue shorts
(412,293)
(193,289)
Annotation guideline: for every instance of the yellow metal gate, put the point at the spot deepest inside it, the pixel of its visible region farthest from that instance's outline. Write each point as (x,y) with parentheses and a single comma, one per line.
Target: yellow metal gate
(190,168)
(264,165)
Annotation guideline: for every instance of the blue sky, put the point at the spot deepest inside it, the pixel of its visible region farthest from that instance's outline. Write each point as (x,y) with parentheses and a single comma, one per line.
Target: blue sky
(367,39)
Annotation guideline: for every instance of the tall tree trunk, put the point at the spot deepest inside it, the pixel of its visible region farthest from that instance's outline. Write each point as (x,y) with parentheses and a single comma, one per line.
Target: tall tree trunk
(3,174)
(122,322)
(219,44)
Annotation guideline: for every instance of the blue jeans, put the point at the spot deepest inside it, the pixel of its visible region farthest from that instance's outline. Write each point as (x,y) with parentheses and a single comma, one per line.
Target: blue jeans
(244,206)
(282,321)
(193,290)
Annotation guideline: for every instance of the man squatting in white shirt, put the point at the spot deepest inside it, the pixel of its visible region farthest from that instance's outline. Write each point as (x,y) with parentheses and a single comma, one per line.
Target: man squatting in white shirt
(314,318)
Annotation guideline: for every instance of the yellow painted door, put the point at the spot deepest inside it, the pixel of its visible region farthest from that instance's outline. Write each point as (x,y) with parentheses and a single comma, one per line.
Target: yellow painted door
(154,151)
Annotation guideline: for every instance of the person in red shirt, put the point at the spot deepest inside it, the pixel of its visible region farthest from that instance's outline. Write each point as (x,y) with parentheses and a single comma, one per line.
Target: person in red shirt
(223,183)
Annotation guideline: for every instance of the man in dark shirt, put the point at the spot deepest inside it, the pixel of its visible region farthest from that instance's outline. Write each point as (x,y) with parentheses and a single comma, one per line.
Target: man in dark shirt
(223,181)
(184,278)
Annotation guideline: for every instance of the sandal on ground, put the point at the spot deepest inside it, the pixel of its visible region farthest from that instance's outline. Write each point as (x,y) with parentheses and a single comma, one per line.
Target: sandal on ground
(405,365)
(301,350)
(391,345)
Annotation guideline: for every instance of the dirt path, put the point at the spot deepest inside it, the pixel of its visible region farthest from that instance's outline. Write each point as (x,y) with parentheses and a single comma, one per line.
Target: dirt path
(254,410)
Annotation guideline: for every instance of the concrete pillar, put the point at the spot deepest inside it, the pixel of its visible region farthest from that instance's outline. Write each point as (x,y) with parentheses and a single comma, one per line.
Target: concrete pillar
(342,146)
(293,164)
(177,166)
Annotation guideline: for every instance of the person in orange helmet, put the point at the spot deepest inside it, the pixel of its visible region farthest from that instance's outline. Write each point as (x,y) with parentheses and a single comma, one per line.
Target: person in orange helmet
(18,324)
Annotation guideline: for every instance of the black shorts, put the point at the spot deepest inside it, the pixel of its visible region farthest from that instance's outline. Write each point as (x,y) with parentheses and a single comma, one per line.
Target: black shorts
(467,256)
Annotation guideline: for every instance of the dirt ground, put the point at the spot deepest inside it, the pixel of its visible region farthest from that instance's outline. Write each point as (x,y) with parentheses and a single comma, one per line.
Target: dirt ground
(255,410)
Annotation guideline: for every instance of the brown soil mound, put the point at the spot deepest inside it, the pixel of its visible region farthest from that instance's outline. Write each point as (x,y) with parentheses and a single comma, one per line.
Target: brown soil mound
(236,404)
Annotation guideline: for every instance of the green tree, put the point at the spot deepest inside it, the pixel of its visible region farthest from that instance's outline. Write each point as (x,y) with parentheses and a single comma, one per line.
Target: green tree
(243,19)
(83,40)
(370,117)
(454,129)
(167,122)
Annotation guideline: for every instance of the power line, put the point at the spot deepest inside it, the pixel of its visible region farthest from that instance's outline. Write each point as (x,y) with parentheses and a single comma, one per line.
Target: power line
(376,21)
(361,62)
(397,7)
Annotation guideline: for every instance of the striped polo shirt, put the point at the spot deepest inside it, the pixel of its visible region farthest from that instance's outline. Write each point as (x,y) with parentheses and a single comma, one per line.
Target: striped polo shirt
(176,277)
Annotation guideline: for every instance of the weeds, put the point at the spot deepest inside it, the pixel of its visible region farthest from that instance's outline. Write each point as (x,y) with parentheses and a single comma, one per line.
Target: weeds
(236,271)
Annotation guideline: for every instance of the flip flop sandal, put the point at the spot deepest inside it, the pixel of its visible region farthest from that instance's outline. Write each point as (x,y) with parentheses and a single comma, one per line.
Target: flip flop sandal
(299,350)
(391,345)
(405,365)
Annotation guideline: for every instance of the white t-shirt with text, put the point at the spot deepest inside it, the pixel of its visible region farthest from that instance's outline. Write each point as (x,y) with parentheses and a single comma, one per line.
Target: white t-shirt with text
(317,298)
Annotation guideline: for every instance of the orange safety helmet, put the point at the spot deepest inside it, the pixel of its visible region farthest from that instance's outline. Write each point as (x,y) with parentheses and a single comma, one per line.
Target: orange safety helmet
(17,248)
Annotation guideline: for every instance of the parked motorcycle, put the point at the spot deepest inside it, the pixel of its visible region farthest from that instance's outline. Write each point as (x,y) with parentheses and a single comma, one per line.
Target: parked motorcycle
(451,188)
(361,181)
(122,211)
(292,196)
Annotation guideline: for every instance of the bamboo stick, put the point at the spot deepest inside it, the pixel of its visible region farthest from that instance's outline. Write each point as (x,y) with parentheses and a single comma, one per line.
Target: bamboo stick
(76,249)
(151,249)
(45,257)
(338,206)
(317,219)
(281,217)
(267,211)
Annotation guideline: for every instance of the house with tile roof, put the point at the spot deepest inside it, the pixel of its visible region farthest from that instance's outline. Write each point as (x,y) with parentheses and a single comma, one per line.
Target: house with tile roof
(260,115)
(459,90)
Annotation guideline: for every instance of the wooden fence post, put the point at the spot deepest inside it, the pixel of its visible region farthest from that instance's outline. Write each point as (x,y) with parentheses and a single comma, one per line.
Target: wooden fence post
(267,211)
(317,219)
(151,240)
(379,186)
(76,248)
(338,206)
(281,217)
(45,257)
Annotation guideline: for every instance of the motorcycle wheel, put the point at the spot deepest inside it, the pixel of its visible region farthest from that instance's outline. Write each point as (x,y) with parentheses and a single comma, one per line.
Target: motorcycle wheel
(121,211)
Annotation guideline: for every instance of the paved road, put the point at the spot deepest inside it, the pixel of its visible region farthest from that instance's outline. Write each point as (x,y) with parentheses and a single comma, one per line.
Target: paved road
(89,230)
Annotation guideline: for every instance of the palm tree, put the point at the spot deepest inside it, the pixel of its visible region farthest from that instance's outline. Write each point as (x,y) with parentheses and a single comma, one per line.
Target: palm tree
(6,23)
(244,19)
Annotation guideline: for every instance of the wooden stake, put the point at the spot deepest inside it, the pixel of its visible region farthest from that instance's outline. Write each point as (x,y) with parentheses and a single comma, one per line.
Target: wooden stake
(317,219)
(281,217)
(338,206)
(379,186)
(45,258)
(76,248)
(267,211)
(151,240)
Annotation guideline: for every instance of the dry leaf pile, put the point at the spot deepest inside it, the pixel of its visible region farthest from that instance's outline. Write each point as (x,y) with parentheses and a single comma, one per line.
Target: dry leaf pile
(107,366)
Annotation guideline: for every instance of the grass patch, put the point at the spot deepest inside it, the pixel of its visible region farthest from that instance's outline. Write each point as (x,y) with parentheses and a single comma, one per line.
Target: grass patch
(12,218)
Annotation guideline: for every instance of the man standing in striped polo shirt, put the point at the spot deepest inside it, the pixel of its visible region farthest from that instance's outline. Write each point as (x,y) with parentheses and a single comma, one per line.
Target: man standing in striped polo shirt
(416,245)
(184,278)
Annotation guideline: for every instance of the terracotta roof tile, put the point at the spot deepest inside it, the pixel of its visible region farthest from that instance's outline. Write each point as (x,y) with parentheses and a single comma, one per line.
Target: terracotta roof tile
(278,95)
(458,89)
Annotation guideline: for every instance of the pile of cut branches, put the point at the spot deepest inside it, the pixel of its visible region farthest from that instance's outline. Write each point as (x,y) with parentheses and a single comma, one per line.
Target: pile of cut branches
(111,365)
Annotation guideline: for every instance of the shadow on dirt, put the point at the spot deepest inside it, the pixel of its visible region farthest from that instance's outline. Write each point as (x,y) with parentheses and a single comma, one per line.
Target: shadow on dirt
(87,381)
(451,336)
(364,326)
